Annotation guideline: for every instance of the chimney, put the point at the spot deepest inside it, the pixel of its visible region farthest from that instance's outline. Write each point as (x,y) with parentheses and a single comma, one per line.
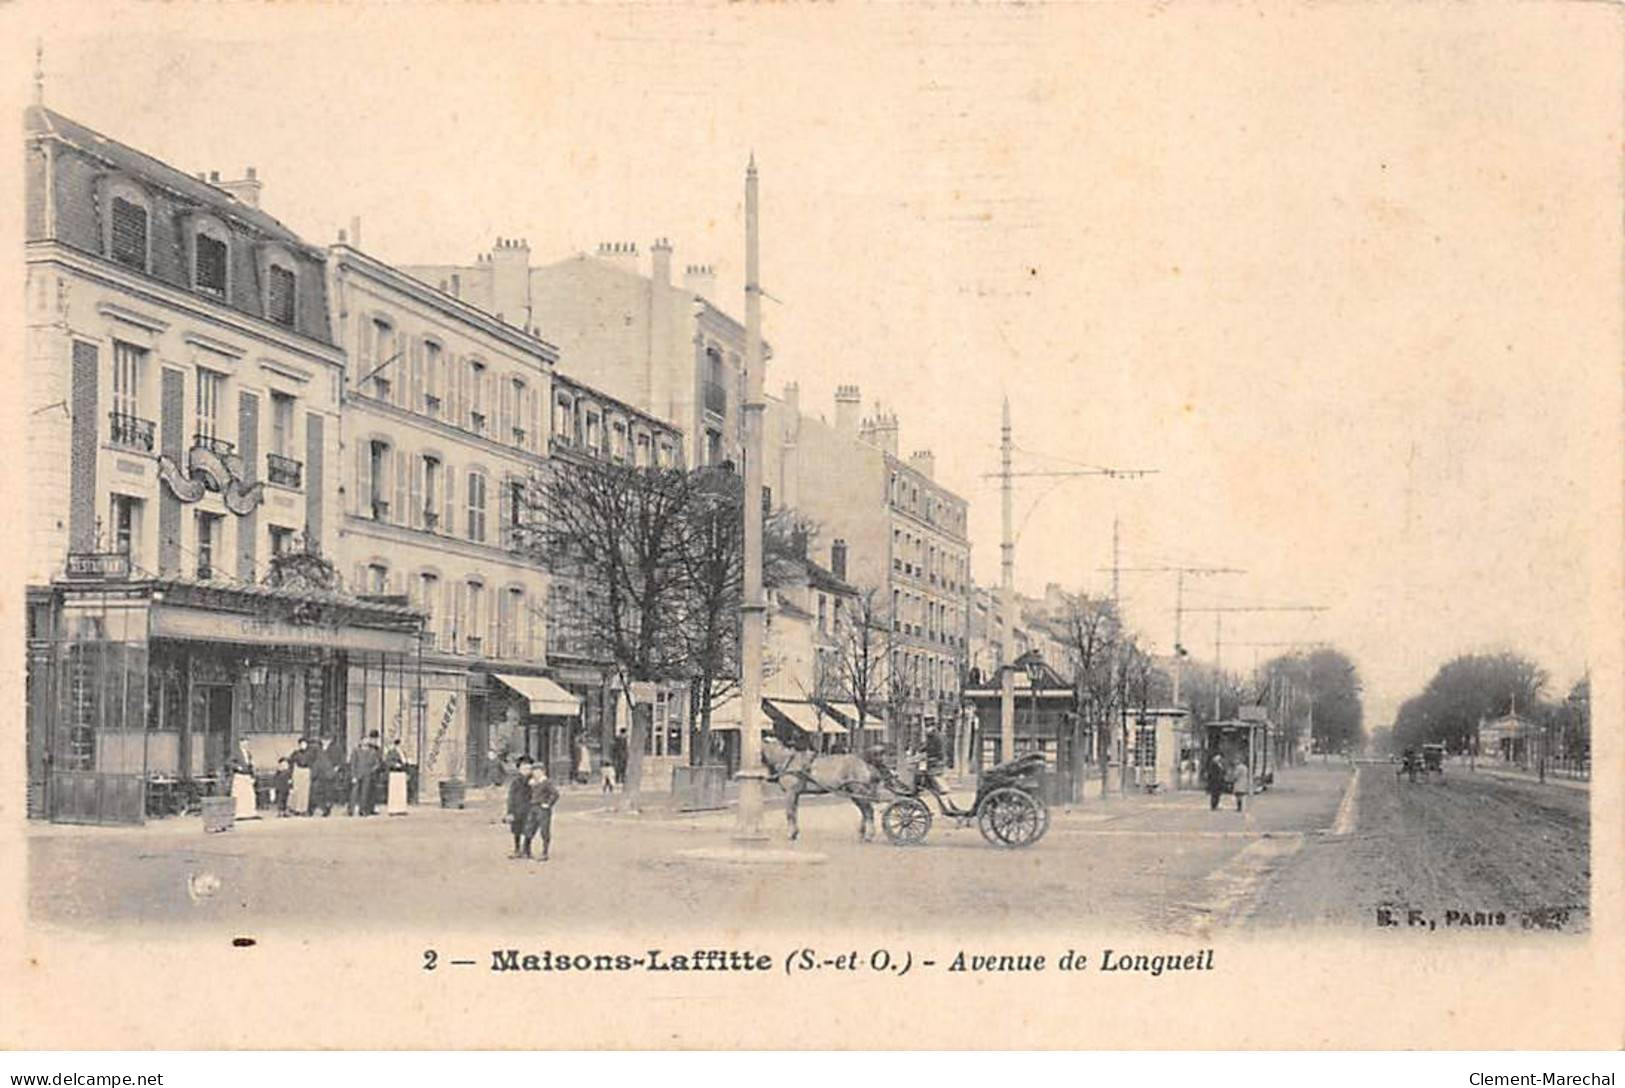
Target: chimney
(623,255)
(881,431)
(837,559)
(847,406)
(701,280)
(510,281)
(660,262)
(924,462)
(247,189)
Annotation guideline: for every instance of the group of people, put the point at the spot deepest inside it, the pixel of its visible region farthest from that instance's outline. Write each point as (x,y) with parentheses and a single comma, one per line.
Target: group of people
(1227,776)
(356,782)
(531,797)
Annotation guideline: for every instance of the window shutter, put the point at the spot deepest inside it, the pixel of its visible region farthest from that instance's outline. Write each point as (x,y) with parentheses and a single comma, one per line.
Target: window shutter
(448,617)
(493,622)
(363,479)
(415,498)
(448,490)
(416,404)
(402,474)
(460,633)
(505,419)
(535,420)
(505,512)
(360,583)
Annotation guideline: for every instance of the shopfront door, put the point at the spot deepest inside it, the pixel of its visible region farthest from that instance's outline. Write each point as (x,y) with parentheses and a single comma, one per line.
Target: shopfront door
(217,703)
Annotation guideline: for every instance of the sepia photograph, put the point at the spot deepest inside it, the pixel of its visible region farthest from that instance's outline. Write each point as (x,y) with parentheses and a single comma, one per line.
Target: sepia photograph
(1122,492)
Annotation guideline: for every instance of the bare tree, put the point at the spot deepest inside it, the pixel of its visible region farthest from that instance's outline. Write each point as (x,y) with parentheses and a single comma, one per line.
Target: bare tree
(861,664)
(619,531)
(1093,633)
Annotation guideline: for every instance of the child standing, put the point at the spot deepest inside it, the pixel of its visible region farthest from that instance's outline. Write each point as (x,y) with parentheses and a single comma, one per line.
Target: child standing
(519,806)
(543,796)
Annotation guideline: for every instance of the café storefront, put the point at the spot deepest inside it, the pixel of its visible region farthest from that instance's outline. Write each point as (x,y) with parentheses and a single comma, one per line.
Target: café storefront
(146,686)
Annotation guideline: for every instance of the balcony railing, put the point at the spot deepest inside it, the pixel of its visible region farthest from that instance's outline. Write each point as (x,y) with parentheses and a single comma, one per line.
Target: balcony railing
(216,445)
(716,398)
(131,432)
(284,470)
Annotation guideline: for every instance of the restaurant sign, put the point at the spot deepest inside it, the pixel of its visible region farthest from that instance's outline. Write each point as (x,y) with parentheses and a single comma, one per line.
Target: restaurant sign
(98,566)
(173,622)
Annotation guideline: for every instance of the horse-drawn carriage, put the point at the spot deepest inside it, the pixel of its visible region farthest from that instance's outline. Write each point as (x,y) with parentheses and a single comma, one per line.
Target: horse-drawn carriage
(1430,761)
(1008,809)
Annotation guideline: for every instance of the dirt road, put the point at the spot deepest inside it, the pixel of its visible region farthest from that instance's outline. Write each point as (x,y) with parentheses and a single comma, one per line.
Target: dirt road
(1464,851)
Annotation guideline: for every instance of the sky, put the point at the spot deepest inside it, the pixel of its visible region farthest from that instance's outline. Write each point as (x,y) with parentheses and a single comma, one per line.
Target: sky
(1346,277)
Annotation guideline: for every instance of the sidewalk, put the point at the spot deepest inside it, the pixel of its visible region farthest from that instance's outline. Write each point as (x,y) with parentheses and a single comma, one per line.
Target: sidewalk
(1514,774)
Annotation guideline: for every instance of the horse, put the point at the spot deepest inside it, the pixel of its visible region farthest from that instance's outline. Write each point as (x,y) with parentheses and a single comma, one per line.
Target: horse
(799,772)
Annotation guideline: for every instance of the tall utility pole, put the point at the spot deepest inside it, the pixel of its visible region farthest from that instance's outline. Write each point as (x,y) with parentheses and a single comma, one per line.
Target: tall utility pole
(1179,601)
(1218,631)
(1116,562)
(1007,595)
(753,609)
(1007,572)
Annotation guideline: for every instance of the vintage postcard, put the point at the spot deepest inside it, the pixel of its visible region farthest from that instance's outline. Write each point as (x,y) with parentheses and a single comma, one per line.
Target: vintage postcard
(813,526)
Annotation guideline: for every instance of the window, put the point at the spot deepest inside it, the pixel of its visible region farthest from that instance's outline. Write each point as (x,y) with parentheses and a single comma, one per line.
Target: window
(378,462)
(823,614)
(431,378)
(594,441)
(561,418)
(377,578)
(513,611)
(519,433)
(476,416)
(125,523)
(428,596)
(208,541)
(280,295)
(431,492)
(642,456)
(617,446)
(209,387)
(713,447)
(476,609)
(668,456)
(383,356)
(129,236)
(282,424)
(128,429)
(517,505)
(476,507)
(281,540)
(209,264)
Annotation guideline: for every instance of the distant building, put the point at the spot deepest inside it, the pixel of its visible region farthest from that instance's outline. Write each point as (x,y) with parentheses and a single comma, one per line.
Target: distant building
(663,347)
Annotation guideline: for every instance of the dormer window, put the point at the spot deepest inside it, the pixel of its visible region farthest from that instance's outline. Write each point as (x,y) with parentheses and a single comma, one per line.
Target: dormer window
(209,264)
(280,295)
(128,242)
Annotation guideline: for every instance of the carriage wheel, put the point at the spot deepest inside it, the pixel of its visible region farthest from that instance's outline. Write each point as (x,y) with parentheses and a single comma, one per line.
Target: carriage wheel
(906,821)
(1012,818)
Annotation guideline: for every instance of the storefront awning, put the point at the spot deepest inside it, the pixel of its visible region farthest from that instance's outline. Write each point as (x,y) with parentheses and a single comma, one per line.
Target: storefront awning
(849,714)
(807,717)
(544,695)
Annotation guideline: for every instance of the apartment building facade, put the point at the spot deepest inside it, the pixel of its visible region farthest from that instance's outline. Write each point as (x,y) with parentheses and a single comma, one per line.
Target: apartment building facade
(183,392)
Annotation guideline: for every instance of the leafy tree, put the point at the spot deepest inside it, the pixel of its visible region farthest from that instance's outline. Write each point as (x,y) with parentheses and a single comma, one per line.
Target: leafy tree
(1463,691)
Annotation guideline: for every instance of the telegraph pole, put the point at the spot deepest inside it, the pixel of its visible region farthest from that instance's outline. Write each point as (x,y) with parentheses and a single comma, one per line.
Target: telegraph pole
(754,607)
(1179,572)
(1218,632)
(1007,568)
(1007,595)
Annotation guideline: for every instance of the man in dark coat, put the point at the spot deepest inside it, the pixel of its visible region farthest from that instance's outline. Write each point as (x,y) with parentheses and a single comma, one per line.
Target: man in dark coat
(519,805)
(324,778)
(365,764)
(1218,779)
